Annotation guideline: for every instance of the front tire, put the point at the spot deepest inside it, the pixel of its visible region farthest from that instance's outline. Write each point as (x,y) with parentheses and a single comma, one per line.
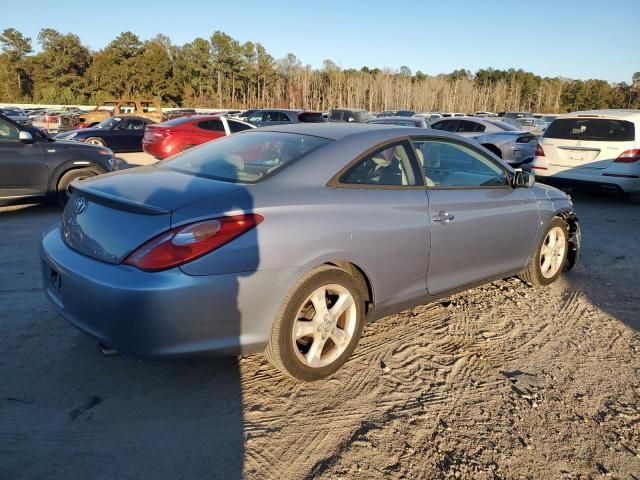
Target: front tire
(551,254)
(96,141)
(318,325)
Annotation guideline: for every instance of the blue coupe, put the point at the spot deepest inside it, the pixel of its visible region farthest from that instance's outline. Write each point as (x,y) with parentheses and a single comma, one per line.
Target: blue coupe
(120,134)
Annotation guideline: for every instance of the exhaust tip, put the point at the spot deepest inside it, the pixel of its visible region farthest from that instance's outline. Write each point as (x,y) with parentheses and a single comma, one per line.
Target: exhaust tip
(107,351)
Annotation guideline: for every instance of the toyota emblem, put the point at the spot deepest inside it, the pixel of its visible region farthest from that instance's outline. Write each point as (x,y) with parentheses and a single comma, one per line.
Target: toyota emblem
(80,205)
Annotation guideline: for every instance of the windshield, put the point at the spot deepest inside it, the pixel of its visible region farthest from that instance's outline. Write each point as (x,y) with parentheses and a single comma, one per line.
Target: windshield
(109,123)
(244,158)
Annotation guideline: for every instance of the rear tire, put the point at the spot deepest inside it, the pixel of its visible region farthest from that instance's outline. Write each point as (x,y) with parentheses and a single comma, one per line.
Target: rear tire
(62,189)
(310,339)
(96,141)
(550,257)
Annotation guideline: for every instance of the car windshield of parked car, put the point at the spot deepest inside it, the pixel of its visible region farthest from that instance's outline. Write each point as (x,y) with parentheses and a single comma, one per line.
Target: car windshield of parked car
(594,129)
(244,158)
(109,123)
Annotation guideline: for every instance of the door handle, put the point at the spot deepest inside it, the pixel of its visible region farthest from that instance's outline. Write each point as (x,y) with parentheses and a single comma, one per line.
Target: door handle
(443,217)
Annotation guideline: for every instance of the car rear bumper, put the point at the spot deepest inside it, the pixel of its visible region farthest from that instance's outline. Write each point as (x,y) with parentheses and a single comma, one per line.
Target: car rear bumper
(158,149)
(596,180)
(160,314)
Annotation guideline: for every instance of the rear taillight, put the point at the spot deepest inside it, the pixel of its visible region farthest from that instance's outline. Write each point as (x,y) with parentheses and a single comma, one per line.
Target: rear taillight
(525,139)
(188,242)
(160,132)
(539,150)
(629,156)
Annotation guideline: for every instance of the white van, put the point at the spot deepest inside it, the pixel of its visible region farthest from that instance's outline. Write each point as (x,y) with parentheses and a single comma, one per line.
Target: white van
(598,148)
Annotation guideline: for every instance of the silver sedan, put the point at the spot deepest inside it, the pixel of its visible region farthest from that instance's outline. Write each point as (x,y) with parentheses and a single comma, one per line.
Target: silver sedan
(290,239)
(514,145)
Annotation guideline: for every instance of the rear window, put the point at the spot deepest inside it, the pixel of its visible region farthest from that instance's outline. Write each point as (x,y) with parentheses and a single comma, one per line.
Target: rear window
(245,158)
(177,121)
(503,125)
(593,129)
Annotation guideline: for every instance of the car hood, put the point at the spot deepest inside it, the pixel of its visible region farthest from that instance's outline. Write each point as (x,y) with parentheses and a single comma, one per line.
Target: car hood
(543,191)
(150,188)
(81,131)
(61,142)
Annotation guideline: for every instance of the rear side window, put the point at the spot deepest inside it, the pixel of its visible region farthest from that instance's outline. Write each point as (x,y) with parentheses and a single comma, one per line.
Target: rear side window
(591,129)
(446,125)
(215,125)
(246,158)
(237,126)
(389,166)
(467,126)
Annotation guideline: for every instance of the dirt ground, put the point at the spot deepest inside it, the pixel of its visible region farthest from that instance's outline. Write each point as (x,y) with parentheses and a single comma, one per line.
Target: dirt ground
(504,381)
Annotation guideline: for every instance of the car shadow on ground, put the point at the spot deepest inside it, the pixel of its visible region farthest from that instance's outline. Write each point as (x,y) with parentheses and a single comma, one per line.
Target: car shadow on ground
(110,417)
(610,258)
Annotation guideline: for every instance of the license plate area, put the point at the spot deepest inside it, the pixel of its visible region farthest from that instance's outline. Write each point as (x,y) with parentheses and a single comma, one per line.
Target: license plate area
(55,284)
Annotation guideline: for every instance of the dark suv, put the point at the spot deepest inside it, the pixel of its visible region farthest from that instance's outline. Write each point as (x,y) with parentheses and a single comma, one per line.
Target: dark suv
(35,167)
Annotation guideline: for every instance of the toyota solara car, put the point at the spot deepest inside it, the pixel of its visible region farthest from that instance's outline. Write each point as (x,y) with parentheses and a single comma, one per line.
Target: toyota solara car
(289,239)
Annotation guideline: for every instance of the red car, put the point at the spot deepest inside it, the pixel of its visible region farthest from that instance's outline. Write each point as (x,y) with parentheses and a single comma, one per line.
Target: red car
(165,139)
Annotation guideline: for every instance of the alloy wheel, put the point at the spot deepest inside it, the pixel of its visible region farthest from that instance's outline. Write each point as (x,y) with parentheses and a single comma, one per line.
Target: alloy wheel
(324,326)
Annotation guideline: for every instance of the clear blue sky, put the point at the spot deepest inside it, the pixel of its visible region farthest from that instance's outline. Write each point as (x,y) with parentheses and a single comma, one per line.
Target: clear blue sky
(571,38)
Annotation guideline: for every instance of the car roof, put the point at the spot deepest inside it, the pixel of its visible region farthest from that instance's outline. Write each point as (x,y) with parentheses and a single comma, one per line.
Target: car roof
(294,110)
(340,130)
(398,119)
(628,114)
(352,109)
(134,117)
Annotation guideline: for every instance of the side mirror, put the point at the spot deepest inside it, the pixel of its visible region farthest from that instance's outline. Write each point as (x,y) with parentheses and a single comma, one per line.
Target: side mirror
(523,179)
(351,119)
(25,137)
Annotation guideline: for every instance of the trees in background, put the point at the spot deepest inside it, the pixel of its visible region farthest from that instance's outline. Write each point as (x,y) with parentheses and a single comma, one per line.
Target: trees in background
(222,72)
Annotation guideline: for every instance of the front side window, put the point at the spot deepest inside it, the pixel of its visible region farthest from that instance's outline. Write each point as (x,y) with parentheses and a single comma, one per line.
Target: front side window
(256,117)
(244,158)
(449,165)
(8,132)
(134,124)
(389,166)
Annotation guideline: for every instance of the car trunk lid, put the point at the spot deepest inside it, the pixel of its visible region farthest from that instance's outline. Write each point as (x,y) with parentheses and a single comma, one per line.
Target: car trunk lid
(109,216)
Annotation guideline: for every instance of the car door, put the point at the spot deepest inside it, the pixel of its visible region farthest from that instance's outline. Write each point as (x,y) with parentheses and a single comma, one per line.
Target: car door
(129,134)
(23,167)
(481,226)
(384,203)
